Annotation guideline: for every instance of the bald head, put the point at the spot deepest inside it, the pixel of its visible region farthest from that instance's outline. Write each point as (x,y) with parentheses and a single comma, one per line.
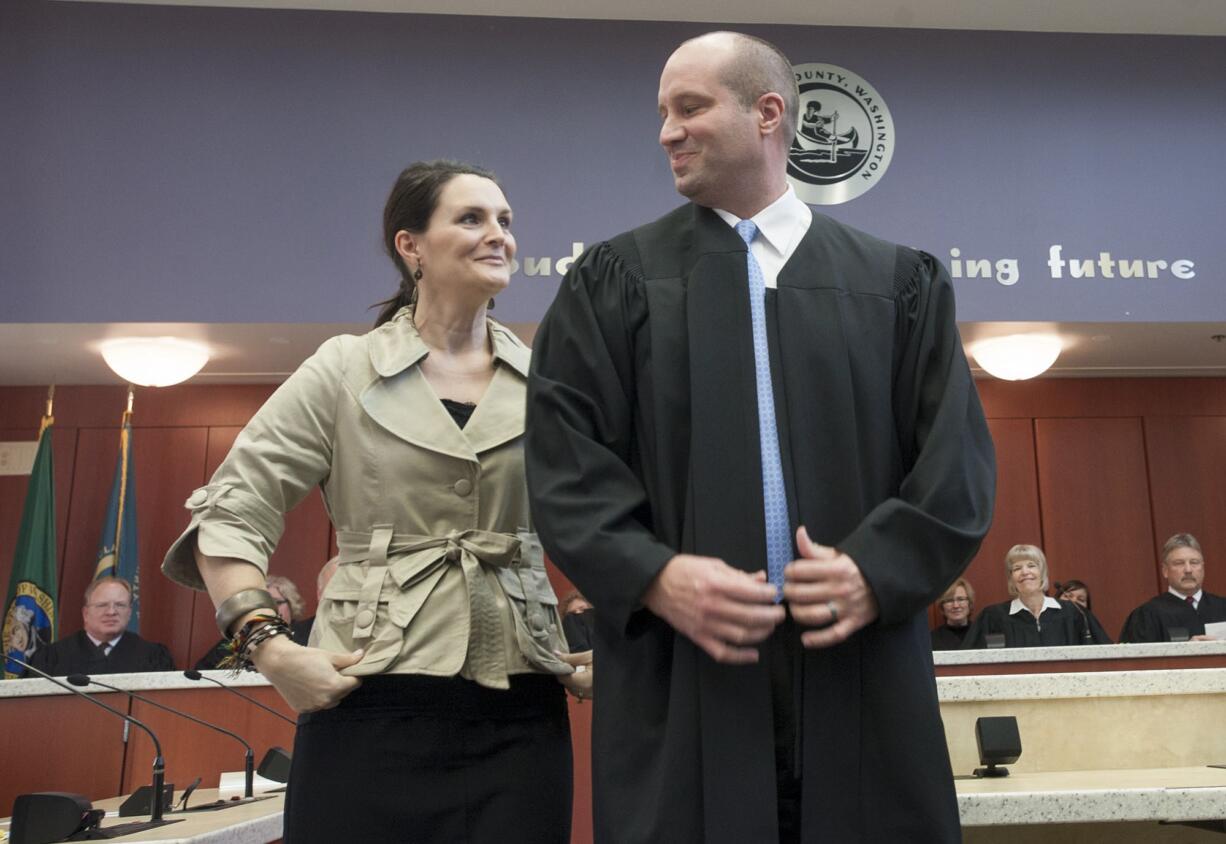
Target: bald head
(751,67)
(724,122)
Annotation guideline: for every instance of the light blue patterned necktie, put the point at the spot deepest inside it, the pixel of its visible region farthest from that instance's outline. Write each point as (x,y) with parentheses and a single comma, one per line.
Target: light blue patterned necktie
(774,494)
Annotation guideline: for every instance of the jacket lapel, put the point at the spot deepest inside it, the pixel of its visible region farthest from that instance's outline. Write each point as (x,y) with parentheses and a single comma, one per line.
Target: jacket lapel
(405,404)
(499,416)
(402,401)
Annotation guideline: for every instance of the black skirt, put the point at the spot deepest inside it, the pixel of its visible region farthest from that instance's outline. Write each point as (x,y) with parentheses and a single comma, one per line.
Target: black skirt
(409,758)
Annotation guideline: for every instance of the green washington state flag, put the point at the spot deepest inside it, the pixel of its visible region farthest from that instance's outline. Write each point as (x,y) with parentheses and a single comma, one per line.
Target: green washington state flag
(29,606)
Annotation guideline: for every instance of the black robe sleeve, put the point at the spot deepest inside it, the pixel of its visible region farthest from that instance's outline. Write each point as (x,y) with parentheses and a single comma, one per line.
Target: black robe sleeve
(1212,608)
(989,620)
(915,543)
(43,659)
(161,660)
(946,638)
(213,658)
(1098,635)
(1141,626)
(589,507)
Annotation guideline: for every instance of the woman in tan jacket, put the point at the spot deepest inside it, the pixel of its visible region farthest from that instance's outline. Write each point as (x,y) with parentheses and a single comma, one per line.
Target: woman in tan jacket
(431,704)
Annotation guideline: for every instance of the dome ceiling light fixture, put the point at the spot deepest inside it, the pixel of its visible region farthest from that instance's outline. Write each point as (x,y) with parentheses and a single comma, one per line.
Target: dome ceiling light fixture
(1017,357)
(154,361)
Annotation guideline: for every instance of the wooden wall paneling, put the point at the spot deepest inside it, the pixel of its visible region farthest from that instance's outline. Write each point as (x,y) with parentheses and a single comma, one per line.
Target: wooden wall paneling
(1080,397)
(581,737)
(193,751)
(99,406)
(41,734)
(1187,464)
(1017,518)
(1093,489)
(94,469)
(13,496)
(204,627)
(167,463)
(581,831)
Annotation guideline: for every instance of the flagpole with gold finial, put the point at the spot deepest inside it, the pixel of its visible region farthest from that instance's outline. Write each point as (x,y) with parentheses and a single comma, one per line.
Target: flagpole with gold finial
(48,415)
(124,430)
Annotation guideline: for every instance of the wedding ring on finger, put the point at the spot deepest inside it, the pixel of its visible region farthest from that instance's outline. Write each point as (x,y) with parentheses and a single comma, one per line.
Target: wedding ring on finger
(579,669)
(834,612)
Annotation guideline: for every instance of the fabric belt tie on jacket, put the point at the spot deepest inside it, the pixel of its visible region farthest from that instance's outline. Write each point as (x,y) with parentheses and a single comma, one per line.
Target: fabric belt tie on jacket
(408,558)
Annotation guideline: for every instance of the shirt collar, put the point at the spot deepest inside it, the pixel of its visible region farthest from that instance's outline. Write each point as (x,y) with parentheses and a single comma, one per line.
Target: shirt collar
(1049,603)
(98,643)
(778,223)
(1183,597)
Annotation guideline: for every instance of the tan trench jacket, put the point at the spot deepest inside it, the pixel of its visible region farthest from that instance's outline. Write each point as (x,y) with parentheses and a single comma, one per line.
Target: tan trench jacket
(439,573)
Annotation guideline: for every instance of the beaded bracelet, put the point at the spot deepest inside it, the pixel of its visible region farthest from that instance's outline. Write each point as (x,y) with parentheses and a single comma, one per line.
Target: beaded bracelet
(255,632)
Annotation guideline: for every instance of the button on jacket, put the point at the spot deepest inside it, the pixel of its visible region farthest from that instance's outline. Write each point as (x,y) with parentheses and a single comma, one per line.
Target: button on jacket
(439,574)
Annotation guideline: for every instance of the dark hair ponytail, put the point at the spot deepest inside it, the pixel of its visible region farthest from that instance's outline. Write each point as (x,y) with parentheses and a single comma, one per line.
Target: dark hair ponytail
(409,208)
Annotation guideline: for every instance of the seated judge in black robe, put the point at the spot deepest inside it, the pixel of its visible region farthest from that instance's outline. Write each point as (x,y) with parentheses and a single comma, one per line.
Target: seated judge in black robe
(1169,617)
(105,645)
(76,654)
(956,606)
(1033,619)
(643,448)
(1185,608)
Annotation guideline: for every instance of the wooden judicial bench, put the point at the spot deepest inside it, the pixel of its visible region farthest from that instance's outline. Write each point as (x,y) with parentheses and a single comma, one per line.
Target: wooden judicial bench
(1117,742)
(54,741)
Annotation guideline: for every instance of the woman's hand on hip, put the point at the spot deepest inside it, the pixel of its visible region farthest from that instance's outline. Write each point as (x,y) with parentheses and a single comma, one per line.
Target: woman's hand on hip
(309,679)
(580,683)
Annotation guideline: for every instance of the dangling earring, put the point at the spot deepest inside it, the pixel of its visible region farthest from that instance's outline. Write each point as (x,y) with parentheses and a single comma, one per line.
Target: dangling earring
(417,273)
(490,306)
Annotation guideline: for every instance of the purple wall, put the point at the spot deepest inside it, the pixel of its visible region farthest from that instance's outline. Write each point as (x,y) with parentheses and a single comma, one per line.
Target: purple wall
(230,165)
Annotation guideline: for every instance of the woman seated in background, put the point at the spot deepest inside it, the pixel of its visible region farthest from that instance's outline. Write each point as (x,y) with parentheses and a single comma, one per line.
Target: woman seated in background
(956,606)
(1074,591)
(1033,619)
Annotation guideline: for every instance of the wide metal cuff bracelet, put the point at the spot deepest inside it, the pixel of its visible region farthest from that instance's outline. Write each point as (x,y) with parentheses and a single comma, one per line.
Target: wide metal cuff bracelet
(241,603)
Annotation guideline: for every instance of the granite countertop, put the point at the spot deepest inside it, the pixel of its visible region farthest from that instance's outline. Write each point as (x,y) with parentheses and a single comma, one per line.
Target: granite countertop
(1185,681)
(246,823)
(1170,794)
(1137,651)
(132,682)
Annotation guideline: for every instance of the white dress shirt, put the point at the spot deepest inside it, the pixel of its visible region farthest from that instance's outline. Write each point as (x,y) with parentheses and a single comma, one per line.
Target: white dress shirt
(1048,604)
(781,225)
(1183,597)
(107,647)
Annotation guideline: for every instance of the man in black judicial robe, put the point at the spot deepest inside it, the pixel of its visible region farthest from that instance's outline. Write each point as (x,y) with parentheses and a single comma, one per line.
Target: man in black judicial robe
(104,645)
(646,480)
(76,654)
(1185,607)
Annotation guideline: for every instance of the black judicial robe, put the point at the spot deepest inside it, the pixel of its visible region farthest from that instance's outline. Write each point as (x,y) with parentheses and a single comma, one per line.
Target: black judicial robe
(946,638)
(1153,620)
(642,442)
(1068,625)
(76,654)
